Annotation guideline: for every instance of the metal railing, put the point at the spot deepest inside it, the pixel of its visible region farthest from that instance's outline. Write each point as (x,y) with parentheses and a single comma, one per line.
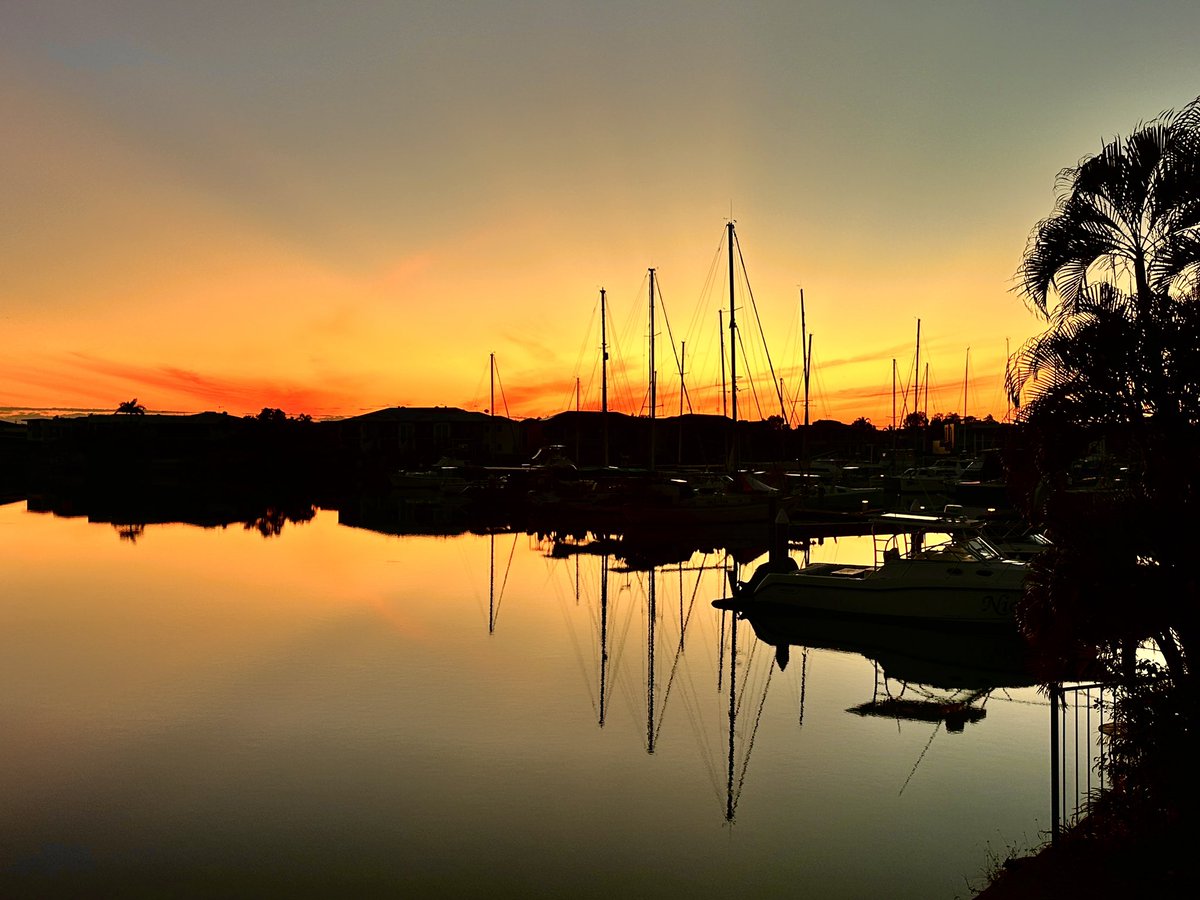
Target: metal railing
(1081,718)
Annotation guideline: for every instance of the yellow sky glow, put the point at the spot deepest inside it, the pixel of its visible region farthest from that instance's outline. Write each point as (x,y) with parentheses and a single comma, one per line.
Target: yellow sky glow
(334,214)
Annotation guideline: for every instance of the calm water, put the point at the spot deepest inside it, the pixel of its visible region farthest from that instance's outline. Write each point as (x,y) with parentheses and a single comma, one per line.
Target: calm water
(334,710)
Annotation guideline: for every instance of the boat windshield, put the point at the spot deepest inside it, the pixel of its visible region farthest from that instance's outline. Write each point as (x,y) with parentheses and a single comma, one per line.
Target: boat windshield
(980,548)
(963,547)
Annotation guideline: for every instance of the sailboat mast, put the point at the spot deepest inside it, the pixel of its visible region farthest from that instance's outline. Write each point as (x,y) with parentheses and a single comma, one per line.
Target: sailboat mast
(651,616)
(653,374)
(603,636)
(732,336)
(492,376)
(604,374)
(966,377)
(733,360)
(807,366)
(927,391)
(917,371)
(729,797)
(653,384)
(724,387)
(682,388)
(893,396)
(804,353)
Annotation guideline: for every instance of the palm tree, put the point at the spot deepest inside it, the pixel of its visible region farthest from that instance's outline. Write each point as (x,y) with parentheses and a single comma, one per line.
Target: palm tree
(1128,218)
(131,408)
(1114,271)
(1128,214)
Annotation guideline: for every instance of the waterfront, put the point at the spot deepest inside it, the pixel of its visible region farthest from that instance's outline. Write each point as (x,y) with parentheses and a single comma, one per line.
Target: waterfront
(335,709)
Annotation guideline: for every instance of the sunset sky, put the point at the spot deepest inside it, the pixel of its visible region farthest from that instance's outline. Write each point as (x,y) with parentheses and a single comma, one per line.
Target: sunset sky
(332,208)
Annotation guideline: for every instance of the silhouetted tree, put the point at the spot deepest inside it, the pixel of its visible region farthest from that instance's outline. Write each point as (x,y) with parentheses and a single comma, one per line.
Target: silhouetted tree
(1113,272)
(271,521)
(131,408)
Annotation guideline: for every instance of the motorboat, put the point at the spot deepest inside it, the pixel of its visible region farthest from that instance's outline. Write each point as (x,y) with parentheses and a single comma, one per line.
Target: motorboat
(939,477)
(930,568)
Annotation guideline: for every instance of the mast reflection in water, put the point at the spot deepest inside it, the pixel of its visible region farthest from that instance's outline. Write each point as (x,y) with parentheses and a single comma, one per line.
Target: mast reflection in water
(315,709)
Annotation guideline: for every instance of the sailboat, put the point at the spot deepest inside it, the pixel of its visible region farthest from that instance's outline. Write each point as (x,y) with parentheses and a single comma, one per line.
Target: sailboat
(821,491)
(656,499)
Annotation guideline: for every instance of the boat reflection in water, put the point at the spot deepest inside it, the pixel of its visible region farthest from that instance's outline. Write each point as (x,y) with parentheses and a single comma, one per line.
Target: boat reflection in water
(920,653)
(925,672)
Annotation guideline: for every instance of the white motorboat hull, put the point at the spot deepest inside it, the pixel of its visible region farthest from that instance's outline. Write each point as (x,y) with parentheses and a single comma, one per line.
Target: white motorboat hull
(937,590)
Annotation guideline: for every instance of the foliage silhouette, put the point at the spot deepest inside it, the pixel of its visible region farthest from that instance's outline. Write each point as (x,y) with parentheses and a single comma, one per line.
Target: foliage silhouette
(1113,271)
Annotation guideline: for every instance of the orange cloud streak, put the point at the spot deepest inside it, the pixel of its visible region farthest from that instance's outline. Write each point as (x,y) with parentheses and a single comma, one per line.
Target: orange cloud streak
(107,382)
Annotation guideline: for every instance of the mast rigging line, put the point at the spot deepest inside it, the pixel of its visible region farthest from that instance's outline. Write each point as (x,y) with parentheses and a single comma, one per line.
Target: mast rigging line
(754,306)
(704,354)
(662,304)
(633,702)
(496,369)
(620,371)
(504,583)
(584,353)
(749,663)
(678,654)
(579,660)
(479,391)
(762,702)
(753,388)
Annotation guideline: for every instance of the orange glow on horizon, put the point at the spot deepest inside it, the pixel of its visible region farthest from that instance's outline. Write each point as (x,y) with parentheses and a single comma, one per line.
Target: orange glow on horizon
(86,381)
(198,233)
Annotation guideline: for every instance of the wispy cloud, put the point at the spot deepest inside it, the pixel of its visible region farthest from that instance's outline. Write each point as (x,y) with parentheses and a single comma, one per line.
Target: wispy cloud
(164,387)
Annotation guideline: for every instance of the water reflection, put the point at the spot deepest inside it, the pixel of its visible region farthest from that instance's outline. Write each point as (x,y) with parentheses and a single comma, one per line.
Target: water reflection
(509,712)
(130,508)
(942,677)
(949,658)
(926,674)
